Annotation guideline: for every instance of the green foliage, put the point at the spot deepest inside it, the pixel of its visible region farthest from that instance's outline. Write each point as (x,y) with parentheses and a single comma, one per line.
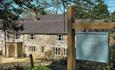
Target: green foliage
(81,65)
(41,68)
(58,65)
(11,10)
(113,16)
(36,68)
(100,11)
(27,67)
(91,9)
(16,7)
(112,58)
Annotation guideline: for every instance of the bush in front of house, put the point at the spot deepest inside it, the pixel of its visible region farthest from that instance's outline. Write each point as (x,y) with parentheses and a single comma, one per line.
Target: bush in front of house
(58,64)
(27,68)
(81,65)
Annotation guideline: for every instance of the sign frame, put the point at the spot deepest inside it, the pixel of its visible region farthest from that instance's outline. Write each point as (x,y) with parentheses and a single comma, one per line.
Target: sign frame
(104,39)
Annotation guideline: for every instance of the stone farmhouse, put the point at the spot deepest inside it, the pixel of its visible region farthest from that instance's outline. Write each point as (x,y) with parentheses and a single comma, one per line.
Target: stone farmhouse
(45,37)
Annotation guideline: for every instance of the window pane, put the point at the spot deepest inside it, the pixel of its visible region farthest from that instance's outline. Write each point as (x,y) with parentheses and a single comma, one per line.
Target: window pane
(30,48)
(33,48)
(65,51)
(32,36)
(42,49)
(58,51)
(60,37)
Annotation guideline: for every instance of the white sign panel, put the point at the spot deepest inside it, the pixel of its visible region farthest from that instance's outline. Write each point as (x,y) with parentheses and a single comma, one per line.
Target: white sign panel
(92,46)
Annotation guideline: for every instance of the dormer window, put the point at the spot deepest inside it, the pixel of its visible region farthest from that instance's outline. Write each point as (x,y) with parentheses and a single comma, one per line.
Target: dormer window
(17,36)
(60,37)
(32,36)
(42,49)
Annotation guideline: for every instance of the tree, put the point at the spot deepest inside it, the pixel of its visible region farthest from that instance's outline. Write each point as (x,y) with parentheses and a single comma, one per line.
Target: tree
(100,11)
(113,16)
(88,9)
(11,11)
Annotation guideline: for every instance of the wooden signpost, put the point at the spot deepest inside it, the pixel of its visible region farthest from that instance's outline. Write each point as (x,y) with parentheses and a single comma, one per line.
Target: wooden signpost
(71,26)
(71,40)
(31,60)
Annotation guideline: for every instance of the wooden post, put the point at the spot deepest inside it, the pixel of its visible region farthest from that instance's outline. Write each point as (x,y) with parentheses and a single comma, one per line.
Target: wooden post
(70,39)
(31,60)
(5,43)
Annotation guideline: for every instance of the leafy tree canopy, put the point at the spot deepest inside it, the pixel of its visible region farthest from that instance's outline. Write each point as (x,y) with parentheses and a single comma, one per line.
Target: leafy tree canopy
(11,10)
(113,16)
(100,11)
(92,9)
(14,8)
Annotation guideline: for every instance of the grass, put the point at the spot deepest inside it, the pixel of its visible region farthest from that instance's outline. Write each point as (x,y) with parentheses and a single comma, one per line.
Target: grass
(37,68)
(41,68)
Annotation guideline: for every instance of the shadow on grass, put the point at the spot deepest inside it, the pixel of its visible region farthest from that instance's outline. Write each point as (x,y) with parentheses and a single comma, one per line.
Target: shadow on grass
(81,65)
(58,65)
(61,65)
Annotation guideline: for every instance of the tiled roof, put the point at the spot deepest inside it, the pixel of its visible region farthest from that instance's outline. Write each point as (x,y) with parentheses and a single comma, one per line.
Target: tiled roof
(47,24)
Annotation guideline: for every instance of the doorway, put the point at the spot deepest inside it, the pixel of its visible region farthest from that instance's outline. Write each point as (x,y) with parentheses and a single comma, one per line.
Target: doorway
(19,49)
(11,50)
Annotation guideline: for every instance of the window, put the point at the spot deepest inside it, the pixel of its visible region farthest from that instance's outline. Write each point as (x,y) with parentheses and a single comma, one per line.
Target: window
(65,51)
(60,37)
(42,49)
(17,36)
(32,36)
(56,51)
(32,48)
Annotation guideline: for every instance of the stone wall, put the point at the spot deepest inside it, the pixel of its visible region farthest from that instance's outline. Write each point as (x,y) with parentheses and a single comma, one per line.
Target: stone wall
(34,46)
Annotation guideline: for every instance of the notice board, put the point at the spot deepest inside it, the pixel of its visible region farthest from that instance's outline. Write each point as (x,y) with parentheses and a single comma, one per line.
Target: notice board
(92,46)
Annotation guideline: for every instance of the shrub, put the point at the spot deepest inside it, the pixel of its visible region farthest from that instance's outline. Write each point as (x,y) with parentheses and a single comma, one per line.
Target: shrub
(59,65)
(27,68)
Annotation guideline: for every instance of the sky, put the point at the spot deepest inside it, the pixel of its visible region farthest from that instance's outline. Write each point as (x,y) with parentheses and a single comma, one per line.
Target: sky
(111,5)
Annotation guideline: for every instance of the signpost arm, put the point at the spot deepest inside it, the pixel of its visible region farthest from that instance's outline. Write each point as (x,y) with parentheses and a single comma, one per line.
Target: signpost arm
(70,39)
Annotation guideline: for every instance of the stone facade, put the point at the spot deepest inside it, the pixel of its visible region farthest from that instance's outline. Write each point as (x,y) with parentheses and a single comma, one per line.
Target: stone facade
(1,41)
(50,46)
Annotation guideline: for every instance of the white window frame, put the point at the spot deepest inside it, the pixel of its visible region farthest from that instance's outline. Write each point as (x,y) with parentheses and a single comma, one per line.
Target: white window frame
(60,37)
(65,51)
(56,51)
(32,36)
(17,36)
(32,48)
